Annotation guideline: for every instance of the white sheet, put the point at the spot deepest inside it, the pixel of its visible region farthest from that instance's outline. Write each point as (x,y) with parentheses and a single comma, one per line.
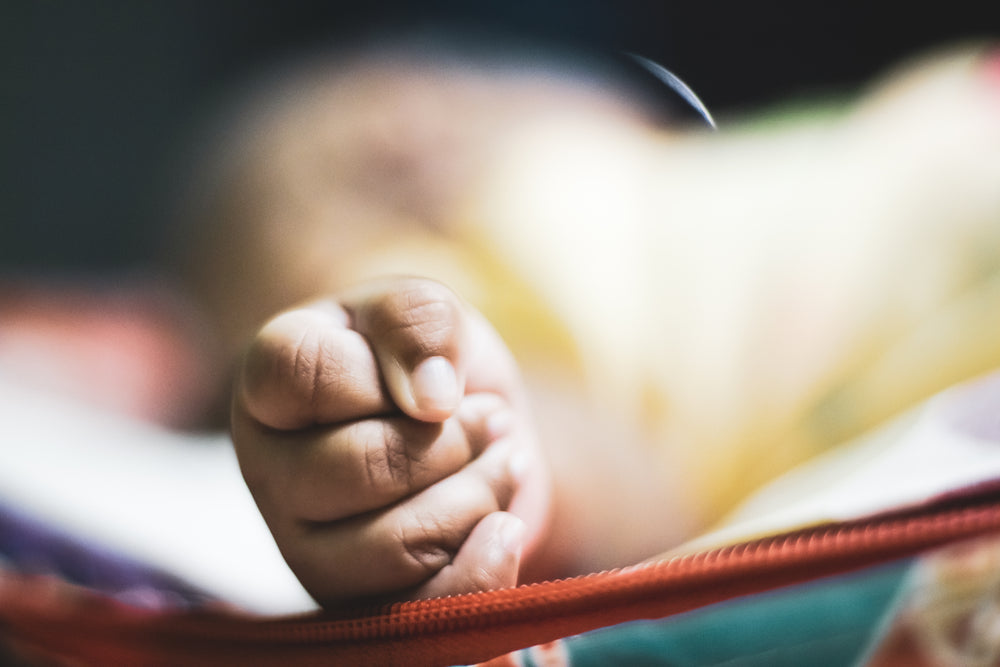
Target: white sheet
(174,501)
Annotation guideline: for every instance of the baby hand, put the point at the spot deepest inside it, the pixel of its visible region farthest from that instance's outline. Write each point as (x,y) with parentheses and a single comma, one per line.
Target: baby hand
(385,440)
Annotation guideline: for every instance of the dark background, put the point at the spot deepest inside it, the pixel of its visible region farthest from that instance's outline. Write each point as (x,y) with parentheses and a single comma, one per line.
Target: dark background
(96,94)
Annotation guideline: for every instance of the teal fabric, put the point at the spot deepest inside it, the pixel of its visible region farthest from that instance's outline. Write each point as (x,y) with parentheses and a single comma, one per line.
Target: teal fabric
(826,623)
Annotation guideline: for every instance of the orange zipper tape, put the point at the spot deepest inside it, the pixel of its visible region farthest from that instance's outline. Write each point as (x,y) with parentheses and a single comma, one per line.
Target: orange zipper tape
(57,621)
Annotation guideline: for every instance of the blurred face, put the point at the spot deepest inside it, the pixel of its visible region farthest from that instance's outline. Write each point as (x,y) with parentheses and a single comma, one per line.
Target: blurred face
(348,159)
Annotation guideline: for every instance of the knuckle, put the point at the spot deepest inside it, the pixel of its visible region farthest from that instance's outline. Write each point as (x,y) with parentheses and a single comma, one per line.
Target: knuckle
(387,465)
(399,457)
(278,356)
(421,318)
(431,533)
(422,549)
(326,372)
(290,365)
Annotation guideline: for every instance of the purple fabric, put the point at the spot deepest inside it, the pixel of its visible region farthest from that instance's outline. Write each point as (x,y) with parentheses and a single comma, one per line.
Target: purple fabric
(29,546)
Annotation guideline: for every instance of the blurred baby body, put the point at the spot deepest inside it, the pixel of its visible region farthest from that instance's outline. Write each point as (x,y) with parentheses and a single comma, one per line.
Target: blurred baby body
(761,294)
(731,303)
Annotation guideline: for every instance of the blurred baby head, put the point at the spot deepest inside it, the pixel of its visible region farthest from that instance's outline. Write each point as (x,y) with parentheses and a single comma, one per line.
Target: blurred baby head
(344,152)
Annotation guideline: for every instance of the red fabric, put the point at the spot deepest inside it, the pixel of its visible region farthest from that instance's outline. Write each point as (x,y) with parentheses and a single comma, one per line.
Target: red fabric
(70,623)
(137,350)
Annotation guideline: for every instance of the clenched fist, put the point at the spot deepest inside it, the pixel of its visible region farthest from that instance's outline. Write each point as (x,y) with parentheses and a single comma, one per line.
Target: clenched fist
(385,437)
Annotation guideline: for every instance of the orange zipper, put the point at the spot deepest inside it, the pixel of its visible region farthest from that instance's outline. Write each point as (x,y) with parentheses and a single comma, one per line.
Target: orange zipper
(473,628)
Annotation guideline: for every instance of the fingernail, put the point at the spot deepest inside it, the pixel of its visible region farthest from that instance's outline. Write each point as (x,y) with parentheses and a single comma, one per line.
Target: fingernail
(511,535)
(331,308)
(518,465)
(499,424)
(435,385)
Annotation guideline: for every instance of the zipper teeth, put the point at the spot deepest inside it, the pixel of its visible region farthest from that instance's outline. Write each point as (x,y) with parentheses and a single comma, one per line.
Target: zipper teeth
(865,542)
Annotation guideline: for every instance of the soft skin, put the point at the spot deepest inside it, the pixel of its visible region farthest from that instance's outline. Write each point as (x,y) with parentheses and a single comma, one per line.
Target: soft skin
(386,439)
